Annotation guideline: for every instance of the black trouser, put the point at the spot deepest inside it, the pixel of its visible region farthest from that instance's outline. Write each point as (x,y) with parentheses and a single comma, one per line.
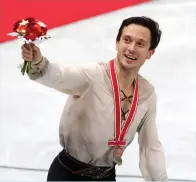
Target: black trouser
(66,168)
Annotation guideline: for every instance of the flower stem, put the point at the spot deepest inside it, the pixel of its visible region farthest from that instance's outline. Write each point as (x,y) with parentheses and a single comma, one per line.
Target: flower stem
(23,70)
(28,67)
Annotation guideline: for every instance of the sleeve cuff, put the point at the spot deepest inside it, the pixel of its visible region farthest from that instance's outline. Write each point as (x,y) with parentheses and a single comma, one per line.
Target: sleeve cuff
(40,65)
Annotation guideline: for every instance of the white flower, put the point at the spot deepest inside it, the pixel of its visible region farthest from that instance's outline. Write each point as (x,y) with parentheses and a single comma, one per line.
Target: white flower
(13,34)
(28,41)
(24,22)
(41,24)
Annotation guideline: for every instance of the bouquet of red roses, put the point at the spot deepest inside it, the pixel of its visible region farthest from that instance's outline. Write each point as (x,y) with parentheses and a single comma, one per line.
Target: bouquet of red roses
(31,31)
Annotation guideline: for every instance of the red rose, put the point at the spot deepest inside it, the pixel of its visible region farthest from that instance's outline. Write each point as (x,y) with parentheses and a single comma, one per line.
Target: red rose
(18,28)
(43,30)
(16,25)
(31,36)
(21,29)
(31,20)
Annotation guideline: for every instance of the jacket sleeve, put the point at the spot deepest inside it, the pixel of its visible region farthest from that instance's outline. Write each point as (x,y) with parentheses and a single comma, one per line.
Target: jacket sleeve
(152,159)
(66,79)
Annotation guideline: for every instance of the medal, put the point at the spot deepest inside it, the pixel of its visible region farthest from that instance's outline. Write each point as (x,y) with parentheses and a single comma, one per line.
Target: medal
(120,131)
(118,151)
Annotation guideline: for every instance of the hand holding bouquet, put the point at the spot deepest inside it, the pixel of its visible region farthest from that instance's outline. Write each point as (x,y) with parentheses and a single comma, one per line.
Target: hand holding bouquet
(31,31)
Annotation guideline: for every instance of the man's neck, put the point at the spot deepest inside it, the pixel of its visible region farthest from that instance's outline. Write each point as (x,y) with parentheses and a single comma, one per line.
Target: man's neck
(126,77)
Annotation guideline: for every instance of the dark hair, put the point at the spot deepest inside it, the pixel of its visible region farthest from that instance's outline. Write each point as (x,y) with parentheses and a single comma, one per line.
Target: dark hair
(152,25)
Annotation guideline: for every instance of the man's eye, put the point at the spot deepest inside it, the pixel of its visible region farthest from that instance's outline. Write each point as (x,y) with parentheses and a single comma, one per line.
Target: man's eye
(127,40)
(140,44)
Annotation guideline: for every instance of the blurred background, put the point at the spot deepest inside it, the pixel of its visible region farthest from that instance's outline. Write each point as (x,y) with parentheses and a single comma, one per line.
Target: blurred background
(84,31)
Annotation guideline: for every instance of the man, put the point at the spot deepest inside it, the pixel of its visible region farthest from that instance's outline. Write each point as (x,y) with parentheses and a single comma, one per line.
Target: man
(108,103)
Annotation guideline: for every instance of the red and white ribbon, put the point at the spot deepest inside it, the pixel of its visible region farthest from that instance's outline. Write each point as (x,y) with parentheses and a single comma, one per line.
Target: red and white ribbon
(120,131)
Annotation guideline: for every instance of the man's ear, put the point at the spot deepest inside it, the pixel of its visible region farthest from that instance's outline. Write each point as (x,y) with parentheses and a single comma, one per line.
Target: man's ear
(151,52)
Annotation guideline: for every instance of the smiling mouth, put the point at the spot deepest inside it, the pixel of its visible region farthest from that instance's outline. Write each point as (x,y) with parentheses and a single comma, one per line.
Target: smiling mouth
(130,57)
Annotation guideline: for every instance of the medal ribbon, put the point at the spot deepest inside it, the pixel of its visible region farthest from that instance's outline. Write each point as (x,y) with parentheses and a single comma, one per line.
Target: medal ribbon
(120,134)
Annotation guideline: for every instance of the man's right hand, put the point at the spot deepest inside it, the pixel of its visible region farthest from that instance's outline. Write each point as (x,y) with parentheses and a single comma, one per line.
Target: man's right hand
(30,52)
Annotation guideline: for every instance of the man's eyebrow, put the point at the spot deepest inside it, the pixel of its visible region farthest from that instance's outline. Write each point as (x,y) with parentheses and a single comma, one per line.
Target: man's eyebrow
(140,39)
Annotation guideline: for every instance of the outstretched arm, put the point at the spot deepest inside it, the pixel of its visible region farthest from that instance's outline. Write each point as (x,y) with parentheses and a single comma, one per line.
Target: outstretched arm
(67,79)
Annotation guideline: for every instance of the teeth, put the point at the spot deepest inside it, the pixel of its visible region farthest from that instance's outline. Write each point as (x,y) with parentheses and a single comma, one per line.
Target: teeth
(130,57)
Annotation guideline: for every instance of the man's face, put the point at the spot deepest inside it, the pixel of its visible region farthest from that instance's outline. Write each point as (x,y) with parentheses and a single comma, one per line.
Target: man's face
(133,47)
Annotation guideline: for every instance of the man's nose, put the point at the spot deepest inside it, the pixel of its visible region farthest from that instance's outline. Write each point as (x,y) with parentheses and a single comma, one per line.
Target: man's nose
(132,46)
